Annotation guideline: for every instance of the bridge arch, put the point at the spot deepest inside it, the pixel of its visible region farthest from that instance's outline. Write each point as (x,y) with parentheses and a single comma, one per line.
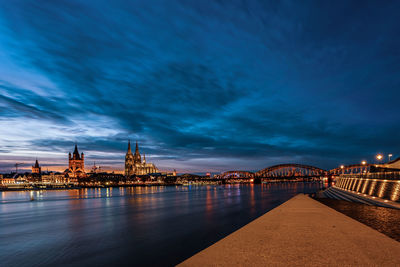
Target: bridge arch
(290,170)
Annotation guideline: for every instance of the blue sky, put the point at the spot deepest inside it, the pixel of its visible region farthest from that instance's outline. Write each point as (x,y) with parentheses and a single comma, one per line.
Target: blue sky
(202,85)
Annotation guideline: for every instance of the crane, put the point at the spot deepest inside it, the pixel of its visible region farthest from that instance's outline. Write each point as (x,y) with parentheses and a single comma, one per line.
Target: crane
(16,166)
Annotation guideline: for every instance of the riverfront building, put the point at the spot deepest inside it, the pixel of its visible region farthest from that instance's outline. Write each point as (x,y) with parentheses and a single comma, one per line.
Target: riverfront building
(134,164)
(36,168)
(76,166)
(394,164)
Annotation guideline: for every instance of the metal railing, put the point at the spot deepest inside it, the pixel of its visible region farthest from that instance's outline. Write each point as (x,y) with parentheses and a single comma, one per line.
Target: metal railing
(374,175)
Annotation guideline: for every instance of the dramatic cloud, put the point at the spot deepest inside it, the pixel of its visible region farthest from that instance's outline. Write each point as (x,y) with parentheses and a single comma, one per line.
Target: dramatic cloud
(212,85)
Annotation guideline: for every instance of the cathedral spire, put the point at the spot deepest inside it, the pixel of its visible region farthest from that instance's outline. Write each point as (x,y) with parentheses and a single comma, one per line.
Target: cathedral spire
(137,156)
(129,148)
(137,148)
(76,149)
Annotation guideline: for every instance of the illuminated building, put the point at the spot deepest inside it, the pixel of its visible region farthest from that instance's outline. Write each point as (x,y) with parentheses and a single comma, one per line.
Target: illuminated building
(52,177)
(76,166)
(394,164)
(134,164)
(36,168)
(7,180)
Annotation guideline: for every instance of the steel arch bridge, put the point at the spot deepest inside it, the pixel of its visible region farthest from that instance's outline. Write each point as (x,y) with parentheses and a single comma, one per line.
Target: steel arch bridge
(290,170)
(352,169)
(237,174)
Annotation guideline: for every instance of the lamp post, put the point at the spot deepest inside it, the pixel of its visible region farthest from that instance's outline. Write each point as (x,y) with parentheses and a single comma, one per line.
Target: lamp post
(342,167)
(362,169)
(379,157)
(390,156)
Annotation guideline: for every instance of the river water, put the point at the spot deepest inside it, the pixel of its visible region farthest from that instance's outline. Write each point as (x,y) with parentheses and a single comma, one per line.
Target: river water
(131,226)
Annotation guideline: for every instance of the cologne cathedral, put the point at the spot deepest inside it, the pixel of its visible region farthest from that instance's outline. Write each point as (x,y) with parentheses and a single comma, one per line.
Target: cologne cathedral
(134,164)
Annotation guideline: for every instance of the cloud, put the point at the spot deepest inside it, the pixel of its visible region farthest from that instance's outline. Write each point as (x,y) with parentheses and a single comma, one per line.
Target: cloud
(214,85)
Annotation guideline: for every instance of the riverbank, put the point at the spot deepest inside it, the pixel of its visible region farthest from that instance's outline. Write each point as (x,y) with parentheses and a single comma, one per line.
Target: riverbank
(302,231)
(29,187)
(92,186)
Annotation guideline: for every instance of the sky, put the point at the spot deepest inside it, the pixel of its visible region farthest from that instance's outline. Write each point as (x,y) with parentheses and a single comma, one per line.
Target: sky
(201,85)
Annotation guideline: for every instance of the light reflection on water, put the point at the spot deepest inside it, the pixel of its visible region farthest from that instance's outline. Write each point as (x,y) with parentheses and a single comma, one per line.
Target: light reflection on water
(128,226)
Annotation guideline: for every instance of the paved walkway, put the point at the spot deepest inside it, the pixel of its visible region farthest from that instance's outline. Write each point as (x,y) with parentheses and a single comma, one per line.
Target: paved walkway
(301,232)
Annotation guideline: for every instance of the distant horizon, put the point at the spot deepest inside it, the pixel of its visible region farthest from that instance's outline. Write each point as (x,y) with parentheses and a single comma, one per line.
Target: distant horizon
(203,86)
(26,167)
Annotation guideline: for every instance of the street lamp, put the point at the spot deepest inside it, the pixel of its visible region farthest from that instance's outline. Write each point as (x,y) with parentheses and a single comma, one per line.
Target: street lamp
(379,157)
(390,155)
(362,169)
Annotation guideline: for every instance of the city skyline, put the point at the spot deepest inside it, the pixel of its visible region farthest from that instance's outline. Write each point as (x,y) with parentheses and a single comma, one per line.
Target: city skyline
(24,166)
(199,133)
(202,86)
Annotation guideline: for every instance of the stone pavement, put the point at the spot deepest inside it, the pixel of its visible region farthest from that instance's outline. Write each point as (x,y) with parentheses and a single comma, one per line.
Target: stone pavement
(301,232)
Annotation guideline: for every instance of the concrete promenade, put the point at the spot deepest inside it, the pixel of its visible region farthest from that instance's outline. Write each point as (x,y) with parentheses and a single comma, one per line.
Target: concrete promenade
(301,232)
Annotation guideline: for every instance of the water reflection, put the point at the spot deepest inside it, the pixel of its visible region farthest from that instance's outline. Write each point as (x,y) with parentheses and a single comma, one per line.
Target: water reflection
(111,226)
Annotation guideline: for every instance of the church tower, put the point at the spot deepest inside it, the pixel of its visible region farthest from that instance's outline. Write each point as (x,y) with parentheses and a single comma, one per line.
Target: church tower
(137,157)
(134,164)
(129,161)
(76,163)
(36,168)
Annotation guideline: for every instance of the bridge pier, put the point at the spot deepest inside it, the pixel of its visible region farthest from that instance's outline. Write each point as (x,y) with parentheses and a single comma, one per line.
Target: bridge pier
(257,180)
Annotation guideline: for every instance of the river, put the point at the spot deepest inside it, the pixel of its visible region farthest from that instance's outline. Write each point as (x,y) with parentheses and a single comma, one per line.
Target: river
(128,226)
